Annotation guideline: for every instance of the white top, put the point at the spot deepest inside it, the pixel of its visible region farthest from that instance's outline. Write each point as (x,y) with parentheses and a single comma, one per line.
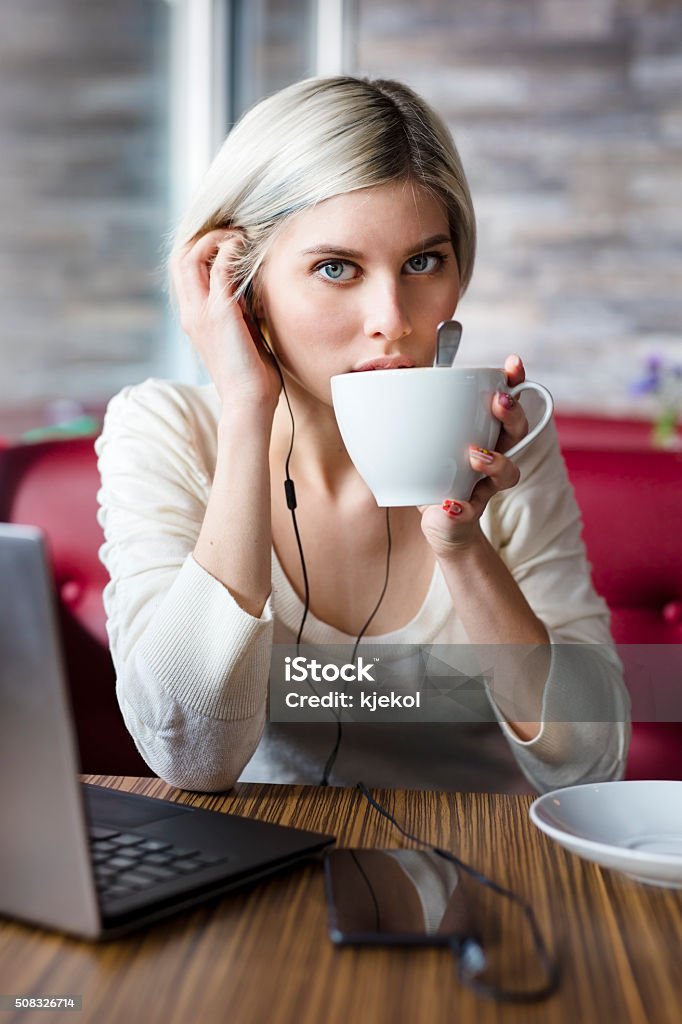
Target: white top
(192,666)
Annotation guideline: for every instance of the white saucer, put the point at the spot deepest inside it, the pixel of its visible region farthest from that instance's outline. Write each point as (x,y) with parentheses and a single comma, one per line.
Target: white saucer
(635,827)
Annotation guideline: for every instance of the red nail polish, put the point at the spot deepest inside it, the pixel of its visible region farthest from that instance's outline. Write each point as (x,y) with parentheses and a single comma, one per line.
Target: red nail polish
(506,401)
(482,454)
(453,508)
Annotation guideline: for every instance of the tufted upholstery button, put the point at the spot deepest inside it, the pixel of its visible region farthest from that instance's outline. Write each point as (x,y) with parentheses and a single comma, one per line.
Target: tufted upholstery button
(672,613)
(70,592)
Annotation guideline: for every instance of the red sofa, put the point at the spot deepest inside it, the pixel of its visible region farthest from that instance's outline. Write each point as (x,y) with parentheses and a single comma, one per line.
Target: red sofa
(630,496)
(53,485)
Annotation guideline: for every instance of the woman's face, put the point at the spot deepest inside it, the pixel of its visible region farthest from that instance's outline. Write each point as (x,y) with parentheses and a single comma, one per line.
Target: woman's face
(363,276)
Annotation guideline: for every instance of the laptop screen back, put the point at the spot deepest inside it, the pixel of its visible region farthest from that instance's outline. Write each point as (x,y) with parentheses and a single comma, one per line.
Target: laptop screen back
(45,870)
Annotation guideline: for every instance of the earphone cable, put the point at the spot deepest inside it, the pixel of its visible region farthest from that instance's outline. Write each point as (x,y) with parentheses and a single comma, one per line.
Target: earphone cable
(290,493)
(289,488)
(470,951)
(333,755)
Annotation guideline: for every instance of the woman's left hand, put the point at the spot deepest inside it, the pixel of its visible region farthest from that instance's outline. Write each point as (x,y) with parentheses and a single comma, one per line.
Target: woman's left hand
(455,525)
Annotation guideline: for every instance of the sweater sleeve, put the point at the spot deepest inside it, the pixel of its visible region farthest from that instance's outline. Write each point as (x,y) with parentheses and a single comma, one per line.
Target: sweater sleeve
(585,721)
(191,665)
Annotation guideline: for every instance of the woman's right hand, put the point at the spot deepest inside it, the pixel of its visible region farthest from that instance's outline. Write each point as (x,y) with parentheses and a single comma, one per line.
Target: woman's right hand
(228,342)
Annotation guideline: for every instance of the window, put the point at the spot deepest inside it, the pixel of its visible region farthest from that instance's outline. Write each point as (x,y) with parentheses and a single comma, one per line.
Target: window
(83,198)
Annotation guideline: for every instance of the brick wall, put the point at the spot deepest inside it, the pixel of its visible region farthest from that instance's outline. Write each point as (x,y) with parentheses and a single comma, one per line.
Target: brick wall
(568,117)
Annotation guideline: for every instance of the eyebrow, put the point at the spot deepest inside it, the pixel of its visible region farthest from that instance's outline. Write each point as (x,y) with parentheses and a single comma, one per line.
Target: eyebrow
(328,249)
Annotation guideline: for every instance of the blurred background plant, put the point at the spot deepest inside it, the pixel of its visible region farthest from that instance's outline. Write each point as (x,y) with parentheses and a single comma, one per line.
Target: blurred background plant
(662,380)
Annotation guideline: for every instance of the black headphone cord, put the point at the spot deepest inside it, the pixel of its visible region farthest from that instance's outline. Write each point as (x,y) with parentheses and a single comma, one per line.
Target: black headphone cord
(290,493)
(471,957)
(289,489)
(332,757)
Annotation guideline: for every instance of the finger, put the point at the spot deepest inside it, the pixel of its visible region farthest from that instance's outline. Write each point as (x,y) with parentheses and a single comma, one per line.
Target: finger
(499,470)
(464,512)
(500,474)
(515,371)
(514,423)
(179,276)
(194,267)
(222,281)
(480,496)
(191,276)
(459,511)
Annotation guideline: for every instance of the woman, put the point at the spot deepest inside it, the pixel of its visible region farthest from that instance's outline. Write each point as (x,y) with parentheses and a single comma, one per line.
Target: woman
(335,229)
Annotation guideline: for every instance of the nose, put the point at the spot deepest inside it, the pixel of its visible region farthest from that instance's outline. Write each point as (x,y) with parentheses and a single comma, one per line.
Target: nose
(386,315)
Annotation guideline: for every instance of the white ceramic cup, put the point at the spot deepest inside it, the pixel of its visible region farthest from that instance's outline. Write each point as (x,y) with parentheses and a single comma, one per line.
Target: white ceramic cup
(407,431)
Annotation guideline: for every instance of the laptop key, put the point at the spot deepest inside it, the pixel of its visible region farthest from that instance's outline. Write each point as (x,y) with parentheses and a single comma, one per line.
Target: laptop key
(116,891)
(127,839)
(104,844)
(131,852)
(158,858)
(121,862)
(158,874)
(137,879)
(102,873)
(187,865)
(97,832)
(154,844)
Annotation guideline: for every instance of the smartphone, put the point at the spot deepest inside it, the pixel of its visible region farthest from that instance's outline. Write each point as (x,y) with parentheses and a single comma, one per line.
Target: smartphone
(395,898)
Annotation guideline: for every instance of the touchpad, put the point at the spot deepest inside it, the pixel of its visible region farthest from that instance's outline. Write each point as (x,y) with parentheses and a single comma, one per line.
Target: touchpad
(125,810)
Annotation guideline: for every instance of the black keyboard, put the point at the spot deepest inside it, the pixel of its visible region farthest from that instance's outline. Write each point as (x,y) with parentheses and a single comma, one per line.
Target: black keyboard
(125,863)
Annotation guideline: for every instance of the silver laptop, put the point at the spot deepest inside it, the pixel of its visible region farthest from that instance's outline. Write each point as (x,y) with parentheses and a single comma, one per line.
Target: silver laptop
(83,859)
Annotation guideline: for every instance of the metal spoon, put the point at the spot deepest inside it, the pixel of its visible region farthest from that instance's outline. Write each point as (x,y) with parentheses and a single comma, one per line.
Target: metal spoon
(448,335)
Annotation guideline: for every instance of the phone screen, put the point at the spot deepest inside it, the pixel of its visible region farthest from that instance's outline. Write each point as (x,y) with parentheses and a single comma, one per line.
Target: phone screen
(395,897)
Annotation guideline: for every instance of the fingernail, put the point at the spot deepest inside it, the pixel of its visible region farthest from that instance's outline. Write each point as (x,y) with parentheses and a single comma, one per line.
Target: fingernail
(453,508)
(482,454)
(506,401)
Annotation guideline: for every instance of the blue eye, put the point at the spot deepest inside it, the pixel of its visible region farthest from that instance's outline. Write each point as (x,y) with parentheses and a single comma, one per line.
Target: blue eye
(425,262)
(335,270)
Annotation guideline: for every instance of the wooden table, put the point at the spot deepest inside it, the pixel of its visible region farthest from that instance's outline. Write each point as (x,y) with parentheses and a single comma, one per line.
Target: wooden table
(262,955)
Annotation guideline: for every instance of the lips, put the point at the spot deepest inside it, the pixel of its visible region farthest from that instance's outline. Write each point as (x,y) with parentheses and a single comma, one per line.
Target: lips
(386,363)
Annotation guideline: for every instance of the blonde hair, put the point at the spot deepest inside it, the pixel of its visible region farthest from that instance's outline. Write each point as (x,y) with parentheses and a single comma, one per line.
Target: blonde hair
(317,139)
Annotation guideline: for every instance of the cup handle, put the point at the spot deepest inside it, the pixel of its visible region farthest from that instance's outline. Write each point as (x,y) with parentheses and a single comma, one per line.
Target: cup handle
(530,385)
